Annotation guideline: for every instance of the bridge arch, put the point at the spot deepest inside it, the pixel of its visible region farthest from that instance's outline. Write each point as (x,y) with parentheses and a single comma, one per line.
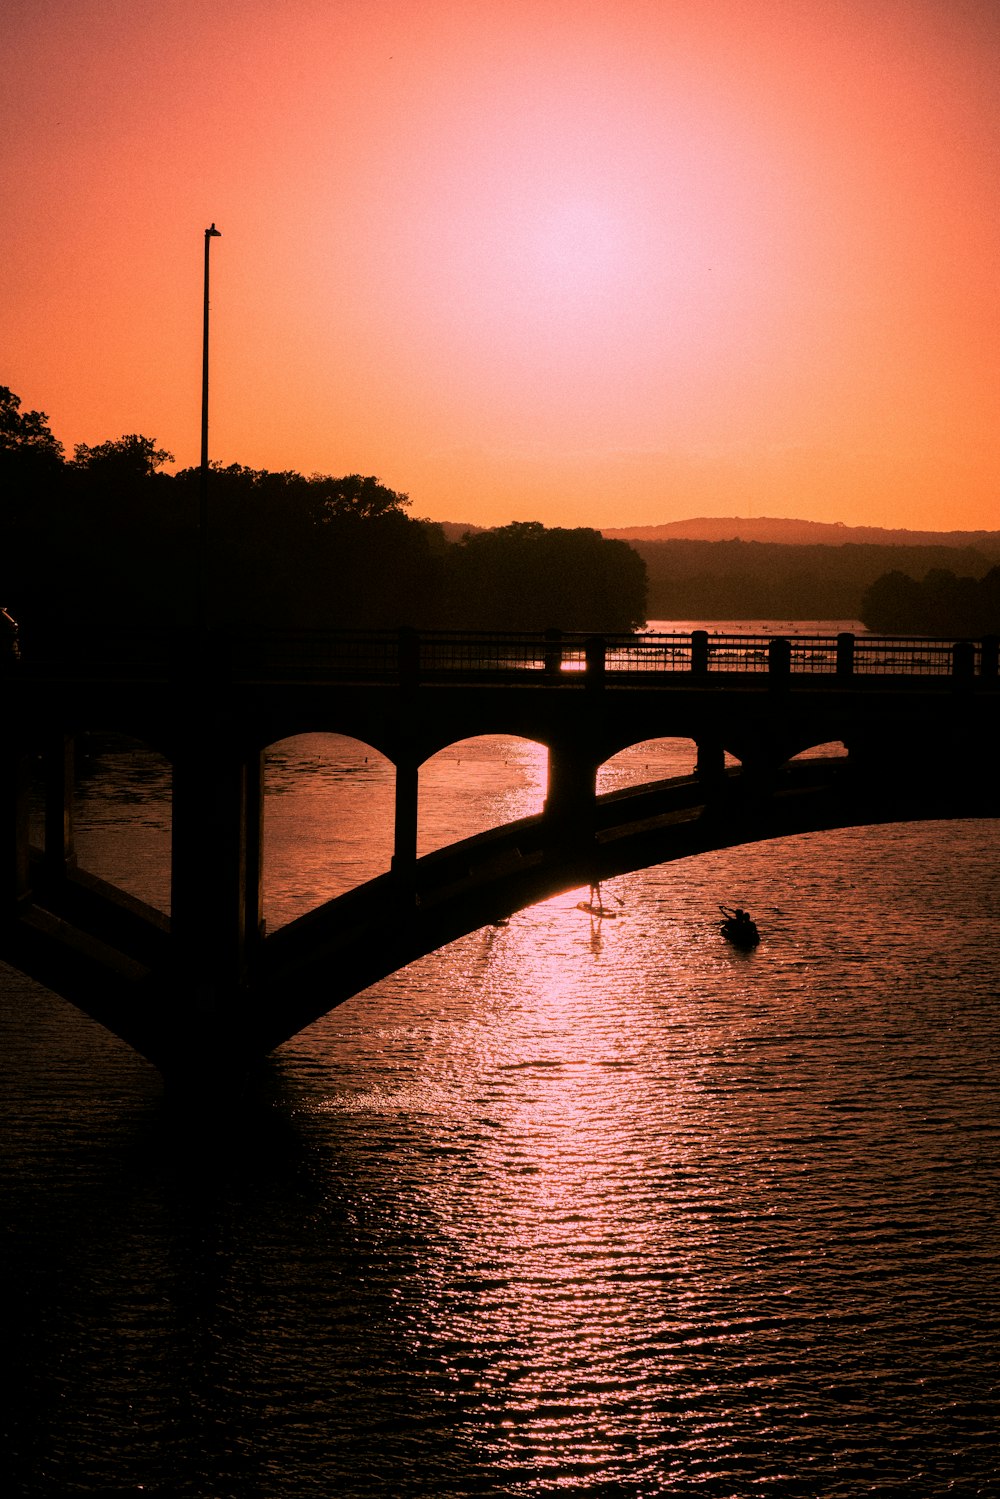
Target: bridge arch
(370,730)
(68,834)
(647,760)
(828,749)
(134,858)
(327,821)
(508,772)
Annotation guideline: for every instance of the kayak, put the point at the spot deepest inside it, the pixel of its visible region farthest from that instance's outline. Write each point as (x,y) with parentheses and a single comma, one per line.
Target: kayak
(740,933)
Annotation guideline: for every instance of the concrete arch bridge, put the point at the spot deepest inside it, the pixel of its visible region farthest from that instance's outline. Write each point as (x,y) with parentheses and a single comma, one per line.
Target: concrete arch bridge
(205,992)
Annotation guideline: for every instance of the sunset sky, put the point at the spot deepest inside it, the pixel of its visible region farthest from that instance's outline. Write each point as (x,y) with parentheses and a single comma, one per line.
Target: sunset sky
(604,263)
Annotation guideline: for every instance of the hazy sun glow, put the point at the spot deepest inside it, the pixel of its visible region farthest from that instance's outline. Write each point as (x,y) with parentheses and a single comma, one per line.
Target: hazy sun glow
(602,263)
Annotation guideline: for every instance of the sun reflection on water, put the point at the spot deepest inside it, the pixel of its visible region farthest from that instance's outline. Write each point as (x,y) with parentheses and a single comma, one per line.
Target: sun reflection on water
(565,1259)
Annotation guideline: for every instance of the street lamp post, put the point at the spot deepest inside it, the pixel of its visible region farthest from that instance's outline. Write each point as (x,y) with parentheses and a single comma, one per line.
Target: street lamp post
(210,233)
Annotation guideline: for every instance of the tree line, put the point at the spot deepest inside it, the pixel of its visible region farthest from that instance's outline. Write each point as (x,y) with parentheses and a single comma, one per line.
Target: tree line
(747,580)
(942,603)
(106,543)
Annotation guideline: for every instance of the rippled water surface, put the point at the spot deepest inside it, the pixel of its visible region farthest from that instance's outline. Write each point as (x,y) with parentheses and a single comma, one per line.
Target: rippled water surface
(569,1207)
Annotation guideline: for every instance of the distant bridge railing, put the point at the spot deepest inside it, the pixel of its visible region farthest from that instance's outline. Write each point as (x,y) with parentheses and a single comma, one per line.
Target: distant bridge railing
(550,656)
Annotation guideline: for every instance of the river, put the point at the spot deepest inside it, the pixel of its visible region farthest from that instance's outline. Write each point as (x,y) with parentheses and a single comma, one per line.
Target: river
(569,1207)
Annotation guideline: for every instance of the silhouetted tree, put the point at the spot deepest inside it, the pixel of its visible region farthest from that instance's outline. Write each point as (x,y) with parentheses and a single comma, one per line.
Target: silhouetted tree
(989,603)
(317,552)
(25,435)
(775,580)
(107,547)
(891,603)
(526,577)
(942,604)
(122,460)
(31,473)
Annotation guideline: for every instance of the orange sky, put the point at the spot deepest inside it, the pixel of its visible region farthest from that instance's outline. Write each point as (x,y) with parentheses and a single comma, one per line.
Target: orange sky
(610,263)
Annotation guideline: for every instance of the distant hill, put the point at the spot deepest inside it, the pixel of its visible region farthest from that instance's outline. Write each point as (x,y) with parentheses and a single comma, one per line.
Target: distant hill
(454,530)
(803,533)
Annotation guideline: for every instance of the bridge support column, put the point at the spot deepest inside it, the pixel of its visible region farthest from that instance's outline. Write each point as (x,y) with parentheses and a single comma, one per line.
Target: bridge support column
(58,774)
(570,808)
(710,763)
(253,869)
(217,860)
(404,847)
(15,788)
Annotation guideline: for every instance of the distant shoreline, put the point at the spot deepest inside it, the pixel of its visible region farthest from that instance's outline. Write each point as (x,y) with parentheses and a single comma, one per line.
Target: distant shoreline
(790,532)
(776,530)
(755,626)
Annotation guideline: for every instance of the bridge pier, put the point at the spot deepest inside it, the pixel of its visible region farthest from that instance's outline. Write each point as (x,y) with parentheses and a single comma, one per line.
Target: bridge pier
(216,873)
(58,777)
(57,762)
(15,789)
(710,760)
(571,797)
(404,847)
(204,1044)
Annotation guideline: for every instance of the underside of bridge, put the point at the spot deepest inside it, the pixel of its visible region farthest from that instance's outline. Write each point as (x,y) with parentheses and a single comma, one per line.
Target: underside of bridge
(203,1019)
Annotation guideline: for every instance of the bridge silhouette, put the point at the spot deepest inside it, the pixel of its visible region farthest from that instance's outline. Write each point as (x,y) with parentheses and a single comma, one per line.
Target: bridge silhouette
(206,992)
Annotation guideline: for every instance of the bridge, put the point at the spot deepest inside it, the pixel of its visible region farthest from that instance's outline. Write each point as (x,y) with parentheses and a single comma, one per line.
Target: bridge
(205,992)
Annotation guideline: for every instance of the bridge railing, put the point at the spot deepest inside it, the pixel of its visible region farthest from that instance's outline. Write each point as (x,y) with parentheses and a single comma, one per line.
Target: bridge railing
(289,655)
(578,658)
(882,655)
(550,656)
(846,655)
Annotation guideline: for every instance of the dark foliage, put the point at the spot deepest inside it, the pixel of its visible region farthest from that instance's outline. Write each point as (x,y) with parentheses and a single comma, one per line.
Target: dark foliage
(523,576)
(26,443)
(943,604)
(105,546)
(773,580)
(121,462)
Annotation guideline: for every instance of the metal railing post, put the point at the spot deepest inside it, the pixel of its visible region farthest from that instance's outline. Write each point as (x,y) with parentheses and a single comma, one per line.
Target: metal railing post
(963,661)
(845,654)
(594,654)
(779,661)
(552,655)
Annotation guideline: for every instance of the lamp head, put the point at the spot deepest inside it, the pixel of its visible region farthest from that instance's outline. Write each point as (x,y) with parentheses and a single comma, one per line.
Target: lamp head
(213,233)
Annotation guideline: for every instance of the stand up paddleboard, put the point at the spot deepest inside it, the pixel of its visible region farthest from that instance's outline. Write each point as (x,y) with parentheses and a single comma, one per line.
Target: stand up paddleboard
(595,907)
